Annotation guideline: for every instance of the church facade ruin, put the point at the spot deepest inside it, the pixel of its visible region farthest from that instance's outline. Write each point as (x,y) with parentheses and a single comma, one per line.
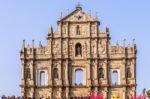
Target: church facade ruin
(77,59)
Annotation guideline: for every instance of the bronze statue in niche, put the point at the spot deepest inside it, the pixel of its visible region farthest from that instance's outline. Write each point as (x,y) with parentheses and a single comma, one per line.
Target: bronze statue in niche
(100,72)
(128,74)
(55,76)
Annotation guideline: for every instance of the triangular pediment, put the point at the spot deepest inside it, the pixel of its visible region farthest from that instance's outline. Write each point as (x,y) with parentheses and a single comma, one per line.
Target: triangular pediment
(78,16)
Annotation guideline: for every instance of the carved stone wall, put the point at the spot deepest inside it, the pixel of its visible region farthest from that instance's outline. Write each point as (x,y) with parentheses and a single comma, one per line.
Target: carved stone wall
(98,60)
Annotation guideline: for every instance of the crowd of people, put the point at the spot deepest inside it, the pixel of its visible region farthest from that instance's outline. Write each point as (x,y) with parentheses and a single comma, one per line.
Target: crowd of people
(14,97)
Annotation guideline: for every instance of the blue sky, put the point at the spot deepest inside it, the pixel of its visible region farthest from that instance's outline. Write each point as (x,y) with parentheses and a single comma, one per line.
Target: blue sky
(30,19)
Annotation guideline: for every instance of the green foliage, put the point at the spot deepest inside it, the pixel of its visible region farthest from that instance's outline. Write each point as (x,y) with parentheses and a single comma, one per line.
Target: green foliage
(148,93)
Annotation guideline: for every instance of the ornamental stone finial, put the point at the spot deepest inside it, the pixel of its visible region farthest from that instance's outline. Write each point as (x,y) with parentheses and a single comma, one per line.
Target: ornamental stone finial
(124,42)
(32,43)
(133,41)
(90,12)
(107,29)
(61,15)
(96,17)
(67,11)
(28,46)
(23,45)
(117,43)
(79,6)
(40,45)
(50,31)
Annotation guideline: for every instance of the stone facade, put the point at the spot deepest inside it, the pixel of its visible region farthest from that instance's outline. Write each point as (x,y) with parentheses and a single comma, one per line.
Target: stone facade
(78,45)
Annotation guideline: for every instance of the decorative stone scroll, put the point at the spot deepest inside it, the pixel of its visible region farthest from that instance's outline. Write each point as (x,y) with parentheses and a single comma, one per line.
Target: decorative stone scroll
(102,48)
(56,50)
(85,48)
(64,49)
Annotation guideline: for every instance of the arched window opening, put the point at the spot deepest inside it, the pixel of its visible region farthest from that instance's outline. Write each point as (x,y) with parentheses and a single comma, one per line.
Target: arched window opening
(42,78)
(78,49)
(115,78)
(55,76)
(79,77)
(78,30)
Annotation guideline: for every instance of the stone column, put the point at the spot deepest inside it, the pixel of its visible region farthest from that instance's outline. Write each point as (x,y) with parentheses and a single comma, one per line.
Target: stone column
(32,83)
(96,89)
(51,46)
(105,92)
(89,73)
(51,93)
(123,73)
(89,51)
(89,25)
(124,94)
(23,73)
(60,73)
(61,52)
(67,62)
(49,74)
(32,72)
(96,78)
(60,93)
(97,29)
(66,73)
(23,79)
(51,62)
(67,93)
(67,29)
(106,72)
